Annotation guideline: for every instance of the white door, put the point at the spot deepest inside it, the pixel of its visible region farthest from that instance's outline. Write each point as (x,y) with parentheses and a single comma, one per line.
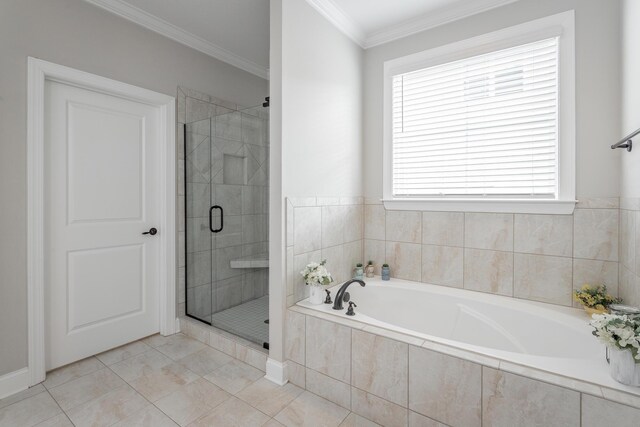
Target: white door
(102,188)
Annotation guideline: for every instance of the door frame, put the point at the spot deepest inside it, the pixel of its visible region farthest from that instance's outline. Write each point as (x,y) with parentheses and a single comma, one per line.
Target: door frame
(39,71)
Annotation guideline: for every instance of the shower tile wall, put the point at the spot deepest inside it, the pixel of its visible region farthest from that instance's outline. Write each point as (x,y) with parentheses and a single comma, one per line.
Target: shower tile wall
(227,165)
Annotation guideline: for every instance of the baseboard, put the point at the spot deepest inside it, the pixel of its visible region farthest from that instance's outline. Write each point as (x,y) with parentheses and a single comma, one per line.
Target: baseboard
(276,372)
(14,382)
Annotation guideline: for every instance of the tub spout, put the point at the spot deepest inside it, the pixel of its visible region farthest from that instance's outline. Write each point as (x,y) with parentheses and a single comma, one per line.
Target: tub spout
(340,296)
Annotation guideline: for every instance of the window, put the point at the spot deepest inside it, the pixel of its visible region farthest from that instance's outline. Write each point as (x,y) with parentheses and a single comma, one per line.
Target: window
(480,123)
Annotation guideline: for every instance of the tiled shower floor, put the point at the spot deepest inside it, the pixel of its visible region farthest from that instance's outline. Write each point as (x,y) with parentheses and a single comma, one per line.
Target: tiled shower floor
(246,320)
(166,382)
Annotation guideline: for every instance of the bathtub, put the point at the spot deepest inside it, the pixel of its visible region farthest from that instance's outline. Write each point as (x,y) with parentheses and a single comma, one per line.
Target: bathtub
(502,331)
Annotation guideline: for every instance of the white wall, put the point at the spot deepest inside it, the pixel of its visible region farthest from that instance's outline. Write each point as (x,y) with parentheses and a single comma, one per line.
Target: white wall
(597,76)
(77,34)
(322,106)
(630,96)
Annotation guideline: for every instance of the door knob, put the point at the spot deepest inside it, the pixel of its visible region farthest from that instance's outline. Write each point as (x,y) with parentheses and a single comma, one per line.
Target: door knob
(151,231)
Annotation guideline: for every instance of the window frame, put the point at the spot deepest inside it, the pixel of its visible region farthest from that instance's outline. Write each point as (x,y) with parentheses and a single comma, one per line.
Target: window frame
(560,25)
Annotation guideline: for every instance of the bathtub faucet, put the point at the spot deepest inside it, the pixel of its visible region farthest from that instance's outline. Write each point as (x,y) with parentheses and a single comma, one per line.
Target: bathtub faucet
(343,296)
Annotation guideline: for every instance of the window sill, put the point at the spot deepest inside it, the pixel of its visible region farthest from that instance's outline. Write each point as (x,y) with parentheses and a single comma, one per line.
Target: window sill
(558,207)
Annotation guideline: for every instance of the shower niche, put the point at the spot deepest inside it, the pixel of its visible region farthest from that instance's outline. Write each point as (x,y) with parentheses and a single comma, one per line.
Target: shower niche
(226,178)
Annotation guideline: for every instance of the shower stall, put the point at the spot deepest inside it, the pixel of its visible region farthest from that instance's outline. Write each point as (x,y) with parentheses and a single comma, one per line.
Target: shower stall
(226,213)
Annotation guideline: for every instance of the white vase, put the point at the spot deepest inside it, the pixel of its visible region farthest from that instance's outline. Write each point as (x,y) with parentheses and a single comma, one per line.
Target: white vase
(316,294)
(623,368)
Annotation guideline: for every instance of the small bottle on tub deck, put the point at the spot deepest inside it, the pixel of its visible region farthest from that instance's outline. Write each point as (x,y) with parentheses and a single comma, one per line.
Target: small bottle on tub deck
(358,272)
(385,272)
(369,270)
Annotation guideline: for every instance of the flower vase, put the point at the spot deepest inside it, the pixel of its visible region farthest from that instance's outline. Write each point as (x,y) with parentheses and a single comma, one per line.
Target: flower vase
(623,368)
(316,296)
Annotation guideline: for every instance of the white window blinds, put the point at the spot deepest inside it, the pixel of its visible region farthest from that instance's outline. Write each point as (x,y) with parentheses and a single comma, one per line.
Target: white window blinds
(484,126)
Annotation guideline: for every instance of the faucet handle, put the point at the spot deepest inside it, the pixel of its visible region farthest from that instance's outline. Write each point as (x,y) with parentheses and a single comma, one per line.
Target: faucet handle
(350,311)
(328,298)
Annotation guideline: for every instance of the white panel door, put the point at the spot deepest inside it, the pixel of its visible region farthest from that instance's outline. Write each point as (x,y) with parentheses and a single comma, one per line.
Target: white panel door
(102,191)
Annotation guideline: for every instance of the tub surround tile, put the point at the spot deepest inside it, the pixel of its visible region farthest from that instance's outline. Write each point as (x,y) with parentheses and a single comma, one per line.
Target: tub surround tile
(598,203)
(443,228)
(354,223)
(232,413)
(543,278)
(192,401)
(375,250)
(544,234)
(509,400)
(443,265)
(295,337)
(374,222)
(598,412)
(596,234)
(328,348)
(637,245)
(403,226)
(353,254)
(396,336)
(628,239)
(326,387)
(379,366)
(269,397)
(405,260)
(586,271)
(378,410)
(307,229)
(296,374)
(488,231)
(335,262)
(488,271)
(301,290)
(313,411)
(333,225)
(29,411)
(445,388)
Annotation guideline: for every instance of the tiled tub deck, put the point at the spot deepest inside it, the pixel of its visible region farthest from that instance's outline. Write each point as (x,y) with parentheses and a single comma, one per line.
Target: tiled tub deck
(398,380)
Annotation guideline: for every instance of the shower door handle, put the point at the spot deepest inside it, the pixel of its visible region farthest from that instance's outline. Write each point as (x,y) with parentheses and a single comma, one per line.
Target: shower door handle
(217,230)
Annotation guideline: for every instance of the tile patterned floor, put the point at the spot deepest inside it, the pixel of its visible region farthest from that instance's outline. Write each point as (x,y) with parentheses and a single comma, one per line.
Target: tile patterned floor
(168,381)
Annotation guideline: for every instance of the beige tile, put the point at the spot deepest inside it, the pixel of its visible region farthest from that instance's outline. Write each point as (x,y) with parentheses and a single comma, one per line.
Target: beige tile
(289,219)
(417,420)
(205,361)
(232,413)
(627,236)
(598,203)
(83,389)
(405,260)
(251,356)
(373,250)
(488,271)
(190,402)
(179,346)
(198,331)
(596,234)
(156,340)
(597,412)
(637,244)
(353,254)
(222,343)
(296,374)
(234,376)
(355,420)
(512,400)
(544,234)
(307,232)
(161,382)
(593,272)
(17,397)
(273,423)
(543,278)
(294,336)
(301,291)
(378,410)
(403,226)
(328,388)
(333,223)
(311,410)
(374,222)
(443,265)
(108,409)
(123,352)
(72,371)
(445,388)
(488,231)
(291,273)
(29,411)
(443,228)
(380,366)
(140,365)
(147,417)
(58,421)
(354,223)
(269,397)
(335,262)
(328,348)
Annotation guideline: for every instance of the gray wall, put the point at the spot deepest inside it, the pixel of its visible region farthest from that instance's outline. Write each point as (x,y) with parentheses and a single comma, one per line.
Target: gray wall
(78,35)
(597,84)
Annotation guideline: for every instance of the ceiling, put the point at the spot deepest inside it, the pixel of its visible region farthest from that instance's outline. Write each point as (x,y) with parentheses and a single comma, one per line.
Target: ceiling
(237,31)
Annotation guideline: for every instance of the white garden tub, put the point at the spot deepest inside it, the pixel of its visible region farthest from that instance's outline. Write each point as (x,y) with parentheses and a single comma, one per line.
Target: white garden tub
(545,337)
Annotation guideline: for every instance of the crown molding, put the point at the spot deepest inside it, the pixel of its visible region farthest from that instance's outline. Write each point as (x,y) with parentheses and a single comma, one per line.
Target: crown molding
(344,23)
(179,35)
(340,20)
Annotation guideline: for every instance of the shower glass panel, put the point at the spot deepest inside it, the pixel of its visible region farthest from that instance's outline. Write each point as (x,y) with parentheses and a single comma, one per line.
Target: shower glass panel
(226,211)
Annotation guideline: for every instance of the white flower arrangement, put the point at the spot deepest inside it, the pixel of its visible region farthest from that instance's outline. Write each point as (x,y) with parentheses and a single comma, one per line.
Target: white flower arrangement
(618,331)
(316,274)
